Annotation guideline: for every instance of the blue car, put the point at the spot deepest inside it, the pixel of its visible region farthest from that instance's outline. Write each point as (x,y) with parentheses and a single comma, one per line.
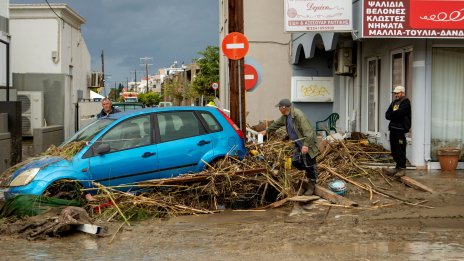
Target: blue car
(130,147)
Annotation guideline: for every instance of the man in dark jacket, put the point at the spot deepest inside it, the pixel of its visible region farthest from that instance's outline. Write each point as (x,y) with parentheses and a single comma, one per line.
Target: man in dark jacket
(399,115)
(299,129)
(107,109)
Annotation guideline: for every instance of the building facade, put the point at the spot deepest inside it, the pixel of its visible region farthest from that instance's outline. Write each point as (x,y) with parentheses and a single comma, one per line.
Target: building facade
(268,54)
(4,50)
(346,57)
(49,55)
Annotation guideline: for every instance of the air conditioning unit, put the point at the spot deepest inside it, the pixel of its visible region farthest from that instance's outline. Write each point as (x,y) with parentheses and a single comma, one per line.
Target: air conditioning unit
(32,105)
(344,61)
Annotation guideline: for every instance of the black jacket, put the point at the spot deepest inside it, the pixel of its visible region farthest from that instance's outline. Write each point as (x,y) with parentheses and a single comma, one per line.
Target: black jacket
(399,115)
(103,113)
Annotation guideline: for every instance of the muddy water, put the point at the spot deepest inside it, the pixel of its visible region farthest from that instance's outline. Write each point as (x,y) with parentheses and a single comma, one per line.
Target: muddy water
(312,232)
(252,236)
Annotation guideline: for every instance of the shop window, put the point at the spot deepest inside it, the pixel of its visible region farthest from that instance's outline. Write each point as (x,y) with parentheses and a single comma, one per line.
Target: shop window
(373,80)
(447,98)
(401,70)
(401,74)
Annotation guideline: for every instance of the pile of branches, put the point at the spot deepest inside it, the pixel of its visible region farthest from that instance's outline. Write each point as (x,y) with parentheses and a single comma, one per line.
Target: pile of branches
(254,182)
(351,158)
(262,178)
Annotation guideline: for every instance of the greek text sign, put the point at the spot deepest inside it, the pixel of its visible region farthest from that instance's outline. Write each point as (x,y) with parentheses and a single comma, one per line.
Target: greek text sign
(413,18)
(312,89)
(318,15)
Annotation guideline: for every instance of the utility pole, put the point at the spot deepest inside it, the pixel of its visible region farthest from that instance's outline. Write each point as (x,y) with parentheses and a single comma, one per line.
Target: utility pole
(145,59)
(237,95)
(102,79)
(135,79)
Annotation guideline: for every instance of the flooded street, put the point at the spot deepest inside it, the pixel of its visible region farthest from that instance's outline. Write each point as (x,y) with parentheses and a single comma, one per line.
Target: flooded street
(302,232)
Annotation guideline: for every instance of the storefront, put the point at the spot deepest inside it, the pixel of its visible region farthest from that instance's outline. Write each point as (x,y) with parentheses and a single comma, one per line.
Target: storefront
(417,44)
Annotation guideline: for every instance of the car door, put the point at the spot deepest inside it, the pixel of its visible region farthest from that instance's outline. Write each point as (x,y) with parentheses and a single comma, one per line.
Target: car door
(182,143)
(132,156)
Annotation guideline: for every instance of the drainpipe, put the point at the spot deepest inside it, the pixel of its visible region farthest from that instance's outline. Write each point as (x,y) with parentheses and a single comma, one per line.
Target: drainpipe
(7,44)
(56,54)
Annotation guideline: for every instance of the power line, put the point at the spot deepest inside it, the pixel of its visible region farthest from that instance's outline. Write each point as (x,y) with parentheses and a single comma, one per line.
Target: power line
(54,11)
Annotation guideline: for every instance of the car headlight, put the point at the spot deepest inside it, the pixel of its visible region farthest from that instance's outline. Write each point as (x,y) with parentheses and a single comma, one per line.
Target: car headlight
(25,177)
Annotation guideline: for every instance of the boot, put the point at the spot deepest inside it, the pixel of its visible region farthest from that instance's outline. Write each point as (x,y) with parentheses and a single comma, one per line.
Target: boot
(310,190)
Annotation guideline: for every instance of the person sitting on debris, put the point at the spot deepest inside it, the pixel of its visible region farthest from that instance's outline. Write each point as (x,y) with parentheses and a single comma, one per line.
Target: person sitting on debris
(299,129)
(107,109)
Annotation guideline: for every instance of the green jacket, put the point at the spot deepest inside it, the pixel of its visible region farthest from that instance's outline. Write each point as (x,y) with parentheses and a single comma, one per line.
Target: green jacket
(303,129)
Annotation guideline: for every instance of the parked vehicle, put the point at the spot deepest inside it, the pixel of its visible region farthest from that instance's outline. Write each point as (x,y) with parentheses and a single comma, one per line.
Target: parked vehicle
(127,106)
(129,147)
(130,96)
(165,104)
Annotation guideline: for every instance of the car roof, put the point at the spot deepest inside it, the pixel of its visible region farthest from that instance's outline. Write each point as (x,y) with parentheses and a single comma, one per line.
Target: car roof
(124,114)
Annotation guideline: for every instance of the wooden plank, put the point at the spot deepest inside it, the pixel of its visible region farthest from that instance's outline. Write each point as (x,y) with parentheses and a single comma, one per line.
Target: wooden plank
(416,184)
(195,178)
(304,198)
(333,197)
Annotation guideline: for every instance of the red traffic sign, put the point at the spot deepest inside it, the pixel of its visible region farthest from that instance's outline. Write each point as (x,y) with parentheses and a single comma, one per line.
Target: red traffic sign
(251,76)
(235,46)
(215,85)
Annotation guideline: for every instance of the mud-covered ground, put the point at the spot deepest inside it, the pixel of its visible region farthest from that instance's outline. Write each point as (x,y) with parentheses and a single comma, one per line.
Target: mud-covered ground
(386,230)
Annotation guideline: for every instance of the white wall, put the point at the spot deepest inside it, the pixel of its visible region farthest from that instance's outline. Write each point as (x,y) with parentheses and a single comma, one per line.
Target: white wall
(32,43)
(4,8)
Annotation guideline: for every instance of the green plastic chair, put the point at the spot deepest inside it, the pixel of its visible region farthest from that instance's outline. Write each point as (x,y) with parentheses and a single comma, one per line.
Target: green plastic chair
(328,124)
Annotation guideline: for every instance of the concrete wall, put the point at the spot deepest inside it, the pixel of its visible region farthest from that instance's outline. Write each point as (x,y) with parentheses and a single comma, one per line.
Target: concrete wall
(88,112)
(47,136)
(53,87)
(5,143)
(5,152)
(268,53)
(14,126)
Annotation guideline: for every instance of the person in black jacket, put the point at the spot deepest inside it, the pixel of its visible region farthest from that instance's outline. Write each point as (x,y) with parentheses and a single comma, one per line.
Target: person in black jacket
(399,115)
(107,108)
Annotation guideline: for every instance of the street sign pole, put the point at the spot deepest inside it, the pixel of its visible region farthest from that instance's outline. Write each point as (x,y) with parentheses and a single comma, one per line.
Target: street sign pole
(235,46)
(240,97)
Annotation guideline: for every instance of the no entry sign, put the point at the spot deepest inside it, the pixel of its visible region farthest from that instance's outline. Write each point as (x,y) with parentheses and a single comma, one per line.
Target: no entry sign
(250,75)
(235,46)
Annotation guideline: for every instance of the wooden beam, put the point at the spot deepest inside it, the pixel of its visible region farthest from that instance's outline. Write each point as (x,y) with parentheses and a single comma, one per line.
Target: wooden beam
(415,184)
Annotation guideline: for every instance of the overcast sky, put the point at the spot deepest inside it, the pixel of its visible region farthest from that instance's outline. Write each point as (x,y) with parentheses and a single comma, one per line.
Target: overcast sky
(128,30)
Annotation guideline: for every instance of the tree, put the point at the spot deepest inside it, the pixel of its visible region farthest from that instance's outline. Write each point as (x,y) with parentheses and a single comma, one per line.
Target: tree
(208,73)
(150,99)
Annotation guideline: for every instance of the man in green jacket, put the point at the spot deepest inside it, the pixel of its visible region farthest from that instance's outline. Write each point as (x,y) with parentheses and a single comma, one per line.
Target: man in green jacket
(299,129)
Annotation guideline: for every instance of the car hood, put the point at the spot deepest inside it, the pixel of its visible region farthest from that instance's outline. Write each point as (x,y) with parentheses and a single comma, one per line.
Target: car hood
(38,162)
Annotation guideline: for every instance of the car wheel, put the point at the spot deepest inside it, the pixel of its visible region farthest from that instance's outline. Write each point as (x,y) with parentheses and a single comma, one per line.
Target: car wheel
(64,189)
(216,164)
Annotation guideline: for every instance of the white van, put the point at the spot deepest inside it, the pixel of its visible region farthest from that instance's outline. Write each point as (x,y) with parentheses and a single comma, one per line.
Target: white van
(165,104)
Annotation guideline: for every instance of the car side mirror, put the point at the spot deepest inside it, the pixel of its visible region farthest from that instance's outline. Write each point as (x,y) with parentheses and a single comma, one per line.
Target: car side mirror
(102,149)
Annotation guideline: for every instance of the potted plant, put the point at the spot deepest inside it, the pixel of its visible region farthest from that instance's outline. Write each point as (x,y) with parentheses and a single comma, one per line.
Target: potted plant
(449,158)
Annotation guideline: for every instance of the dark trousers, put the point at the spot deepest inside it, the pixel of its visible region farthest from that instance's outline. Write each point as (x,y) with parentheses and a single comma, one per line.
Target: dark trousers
(398,147)
(305,162)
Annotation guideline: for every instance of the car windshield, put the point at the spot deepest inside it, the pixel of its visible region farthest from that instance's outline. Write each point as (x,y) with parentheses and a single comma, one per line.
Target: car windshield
(87,133)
